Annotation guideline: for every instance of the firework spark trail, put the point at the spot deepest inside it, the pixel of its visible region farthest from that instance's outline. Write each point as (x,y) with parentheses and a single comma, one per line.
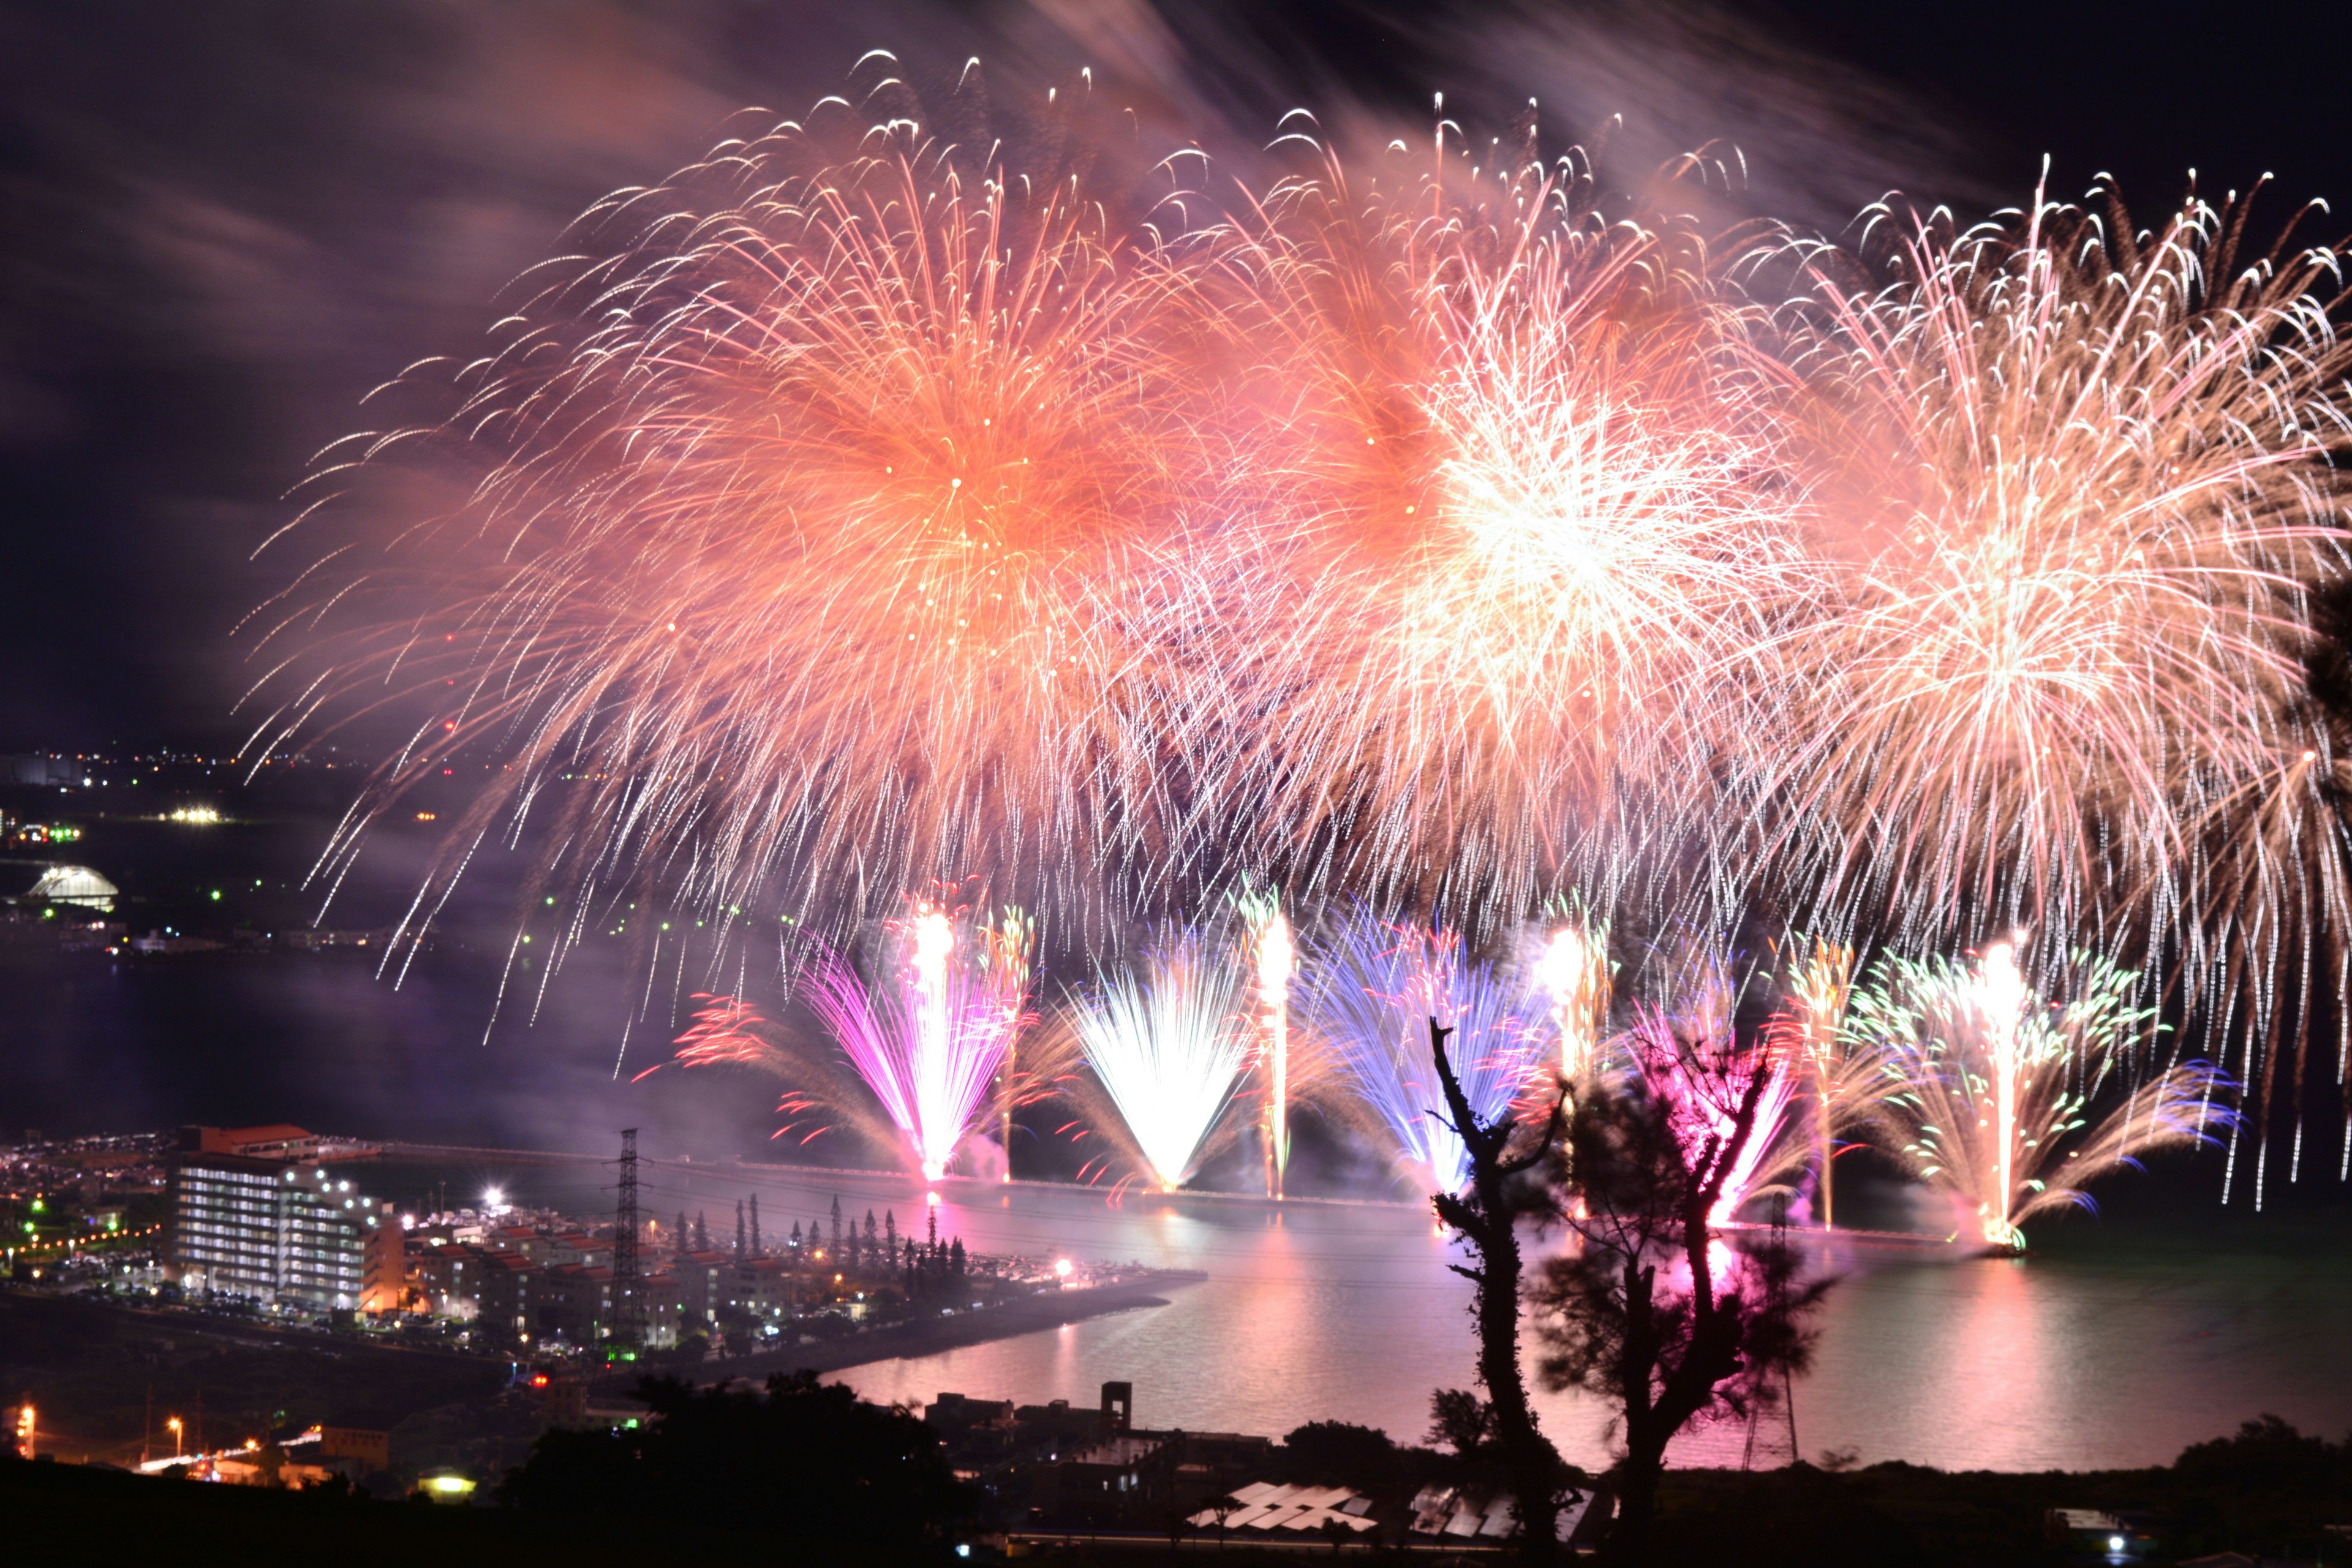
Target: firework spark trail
(2001,993)
(728,1031)
(1274,960)
(1845,1078)
(932,1038)
(1370,996)
(2083,480)
(1169,1047)
(1994,1094)
(1520,531)
(1574,972)
(861,505)
(1692,1060)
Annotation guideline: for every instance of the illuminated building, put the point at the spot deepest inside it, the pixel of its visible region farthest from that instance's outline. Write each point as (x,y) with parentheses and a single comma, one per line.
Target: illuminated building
(504,1288)
(292,1237)
(384,1264)
(449,1276)
(519,1286)
(76,885)
(702,1285)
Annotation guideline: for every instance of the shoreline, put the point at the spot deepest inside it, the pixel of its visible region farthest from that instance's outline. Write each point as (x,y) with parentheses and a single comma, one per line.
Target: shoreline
(970,1188)
(933,1336)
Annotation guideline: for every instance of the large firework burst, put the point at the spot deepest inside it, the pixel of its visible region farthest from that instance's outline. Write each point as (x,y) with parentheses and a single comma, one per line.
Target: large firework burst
(2081,485)
(821,538)
(1512,454)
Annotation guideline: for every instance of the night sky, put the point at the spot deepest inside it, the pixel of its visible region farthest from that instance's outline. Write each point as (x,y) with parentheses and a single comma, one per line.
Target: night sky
(220,225)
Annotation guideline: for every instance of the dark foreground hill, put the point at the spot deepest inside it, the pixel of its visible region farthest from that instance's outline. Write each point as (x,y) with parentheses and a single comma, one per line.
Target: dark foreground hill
(95,1518)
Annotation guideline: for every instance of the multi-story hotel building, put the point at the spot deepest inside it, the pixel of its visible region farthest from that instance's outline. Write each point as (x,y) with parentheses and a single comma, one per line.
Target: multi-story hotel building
(292,1237)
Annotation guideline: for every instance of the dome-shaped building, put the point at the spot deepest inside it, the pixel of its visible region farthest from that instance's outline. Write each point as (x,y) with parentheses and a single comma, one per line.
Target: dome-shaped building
(73,885)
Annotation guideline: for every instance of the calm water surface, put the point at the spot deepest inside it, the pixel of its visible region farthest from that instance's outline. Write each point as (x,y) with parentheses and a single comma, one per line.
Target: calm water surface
(2117,1343)
(2111,1346)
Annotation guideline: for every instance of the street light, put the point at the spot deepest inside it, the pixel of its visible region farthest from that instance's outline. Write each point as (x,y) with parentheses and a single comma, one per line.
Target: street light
(175,1425)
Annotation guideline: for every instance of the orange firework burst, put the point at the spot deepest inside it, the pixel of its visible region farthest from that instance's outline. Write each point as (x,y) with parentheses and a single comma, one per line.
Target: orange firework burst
(812,549)
(1514,537)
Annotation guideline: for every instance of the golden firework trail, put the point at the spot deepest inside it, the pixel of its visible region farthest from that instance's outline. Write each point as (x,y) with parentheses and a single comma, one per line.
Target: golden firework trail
(868,505)
(1844,1082)
(2079,483)
(1574,972)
